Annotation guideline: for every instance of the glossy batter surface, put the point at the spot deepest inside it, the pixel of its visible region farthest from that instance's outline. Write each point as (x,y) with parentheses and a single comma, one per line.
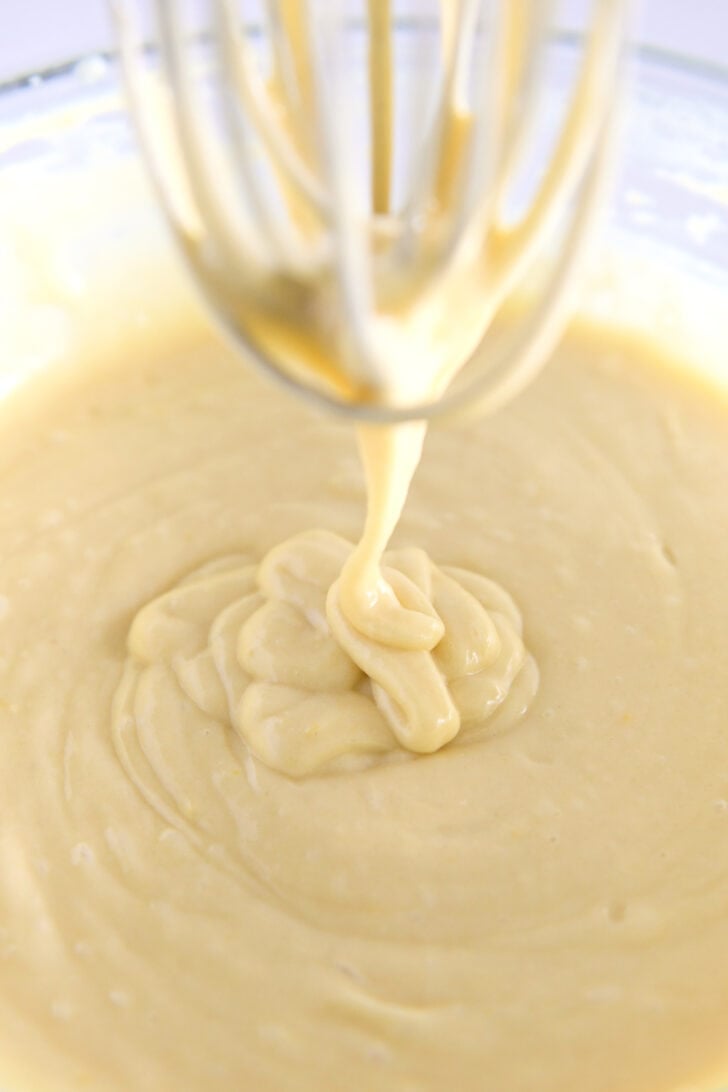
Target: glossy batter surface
(536,907)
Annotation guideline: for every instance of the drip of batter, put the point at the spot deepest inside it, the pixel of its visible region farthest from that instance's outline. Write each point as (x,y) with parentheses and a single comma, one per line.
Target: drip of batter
(267,650)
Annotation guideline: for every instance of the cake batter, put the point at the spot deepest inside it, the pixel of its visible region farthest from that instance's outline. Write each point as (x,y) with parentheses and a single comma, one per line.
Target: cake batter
(538,905)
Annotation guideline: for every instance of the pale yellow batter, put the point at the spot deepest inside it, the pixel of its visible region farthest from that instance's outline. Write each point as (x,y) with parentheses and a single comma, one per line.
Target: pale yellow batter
(540,905)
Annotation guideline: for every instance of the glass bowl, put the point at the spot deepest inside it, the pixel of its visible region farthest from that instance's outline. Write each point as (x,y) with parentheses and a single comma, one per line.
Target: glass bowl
(79,231)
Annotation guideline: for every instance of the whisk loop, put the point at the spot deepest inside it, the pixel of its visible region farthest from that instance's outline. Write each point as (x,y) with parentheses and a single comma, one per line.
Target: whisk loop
(350,228)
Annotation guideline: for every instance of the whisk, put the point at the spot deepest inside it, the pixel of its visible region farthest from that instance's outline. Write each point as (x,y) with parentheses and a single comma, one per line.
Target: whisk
(350,184)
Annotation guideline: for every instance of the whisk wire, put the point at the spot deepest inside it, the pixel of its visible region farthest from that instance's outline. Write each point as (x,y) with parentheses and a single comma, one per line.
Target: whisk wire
(578,141)
(230,231)
(274,127)
(349,213)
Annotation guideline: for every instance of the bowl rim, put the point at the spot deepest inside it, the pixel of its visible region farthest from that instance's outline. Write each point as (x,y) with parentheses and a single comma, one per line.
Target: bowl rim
(638,53)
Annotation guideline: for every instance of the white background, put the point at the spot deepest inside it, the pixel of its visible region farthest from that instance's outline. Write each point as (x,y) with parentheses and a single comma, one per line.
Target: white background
(38,33)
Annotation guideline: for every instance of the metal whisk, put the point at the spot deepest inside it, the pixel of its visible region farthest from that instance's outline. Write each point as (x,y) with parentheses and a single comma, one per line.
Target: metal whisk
(346,180)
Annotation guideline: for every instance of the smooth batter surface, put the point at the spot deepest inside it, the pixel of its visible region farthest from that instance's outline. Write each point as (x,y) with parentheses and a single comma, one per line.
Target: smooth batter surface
(538,908)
